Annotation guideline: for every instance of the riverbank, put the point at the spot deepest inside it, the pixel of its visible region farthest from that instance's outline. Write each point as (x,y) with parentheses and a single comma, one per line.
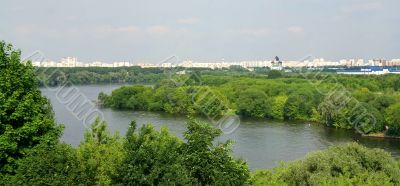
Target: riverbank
(380,135)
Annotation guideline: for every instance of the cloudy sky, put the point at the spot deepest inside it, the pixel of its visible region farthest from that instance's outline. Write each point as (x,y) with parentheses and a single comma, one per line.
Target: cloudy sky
(204,29)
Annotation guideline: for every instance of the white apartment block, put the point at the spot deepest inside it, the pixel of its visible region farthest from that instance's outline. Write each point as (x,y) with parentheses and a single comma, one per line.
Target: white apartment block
(68,62)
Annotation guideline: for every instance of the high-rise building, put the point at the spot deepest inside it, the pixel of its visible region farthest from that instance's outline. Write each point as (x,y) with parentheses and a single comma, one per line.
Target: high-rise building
(69,62)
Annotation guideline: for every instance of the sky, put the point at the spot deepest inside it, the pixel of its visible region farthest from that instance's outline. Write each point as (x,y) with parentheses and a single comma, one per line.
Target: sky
(203,30)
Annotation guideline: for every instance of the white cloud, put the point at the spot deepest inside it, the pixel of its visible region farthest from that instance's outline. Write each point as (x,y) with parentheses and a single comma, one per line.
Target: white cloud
(133,30)
(295,30)
(128,29)
(124,29)
(35,30)
(363,7)
(158,29)
(187,21)
(257,32)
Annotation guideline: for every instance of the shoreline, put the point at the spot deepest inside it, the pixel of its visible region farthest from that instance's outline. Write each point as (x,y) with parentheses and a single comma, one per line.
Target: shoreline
(380,135)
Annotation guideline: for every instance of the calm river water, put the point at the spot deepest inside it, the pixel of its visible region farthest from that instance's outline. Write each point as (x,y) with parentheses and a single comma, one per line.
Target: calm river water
(261,143)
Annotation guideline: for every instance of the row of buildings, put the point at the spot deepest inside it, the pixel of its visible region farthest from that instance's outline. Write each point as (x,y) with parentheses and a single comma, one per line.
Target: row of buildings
(372,70)
(73,62)
(274,64)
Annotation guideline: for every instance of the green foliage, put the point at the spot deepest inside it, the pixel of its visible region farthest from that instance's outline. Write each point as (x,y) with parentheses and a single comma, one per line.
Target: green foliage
(364,95)
(382,102)
(267,177)
(296,108)
(30,153)
(392,116)
(396,85)
(129,97)
(334,101)
(103,99)
(152,158)
(277,107)
(274,74)
(366,118)
(98,75)
(349,164)
(254,103)
(99,155)
(26,117)
(159,158)
(207,101)
(47,165)
(334,110)
(344,112)
(211,164)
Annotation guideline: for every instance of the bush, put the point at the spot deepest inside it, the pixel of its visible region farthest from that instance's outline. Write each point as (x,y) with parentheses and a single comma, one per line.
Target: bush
(350,164)
(152,158)
(392,116)
(159,158)
(99,155)
(47,165)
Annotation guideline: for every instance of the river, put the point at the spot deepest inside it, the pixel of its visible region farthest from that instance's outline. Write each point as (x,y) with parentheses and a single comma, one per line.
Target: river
(261,143)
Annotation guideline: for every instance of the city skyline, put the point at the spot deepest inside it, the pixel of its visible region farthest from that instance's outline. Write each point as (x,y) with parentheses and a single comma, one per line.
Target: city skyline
(175,62)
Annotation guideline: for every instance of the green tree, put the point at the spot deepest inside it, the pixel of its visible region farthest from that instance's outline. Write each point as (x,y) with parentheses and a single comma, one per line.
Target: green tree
(99,155)
(135,97)
(274,74)
(180,101)
(396,85)
(366,118)
(26,117)
(211,164)
(334,110)
(392,116)
(152,158)
(291,110)
(254,103)
(277,107)
(209,102)
(47,164)
(364,95)
(382,102)
(103,99)
(159,158)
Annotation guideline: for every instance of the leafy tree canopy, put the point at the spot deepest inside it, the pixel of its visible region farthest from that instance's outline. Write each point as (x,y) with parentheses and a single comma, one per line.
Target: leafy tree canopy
(26,117)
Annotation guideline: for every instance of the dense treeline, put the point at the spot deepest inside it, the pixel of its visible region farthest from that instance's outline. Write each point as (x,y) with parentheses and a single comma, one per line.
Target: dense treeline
(31,154)
(56,76)
(98,75)
(366,103)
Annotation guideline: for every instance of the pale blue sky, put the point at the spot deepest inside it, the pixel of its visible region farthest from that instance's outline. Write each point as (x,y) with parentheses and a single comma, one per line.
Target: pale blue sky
(203,30)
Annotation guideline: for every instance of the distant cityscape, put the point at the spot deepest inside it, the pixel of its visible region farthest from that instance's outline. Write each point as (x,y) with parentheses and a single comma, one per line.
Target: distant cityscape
(273,64)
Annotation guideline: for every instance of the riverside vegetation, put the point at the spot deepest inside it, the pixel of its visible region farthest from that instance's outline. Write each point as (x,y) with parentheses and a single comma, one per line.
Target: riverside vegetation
(370,104)
(31,153)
